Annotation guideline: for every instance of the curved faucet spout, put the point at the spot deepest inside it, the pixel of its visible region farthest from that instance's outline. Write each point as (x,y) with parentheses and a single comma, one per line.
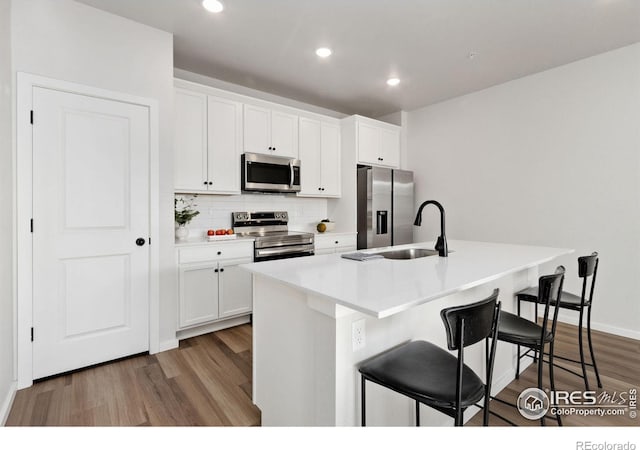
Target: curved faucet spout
(441,244)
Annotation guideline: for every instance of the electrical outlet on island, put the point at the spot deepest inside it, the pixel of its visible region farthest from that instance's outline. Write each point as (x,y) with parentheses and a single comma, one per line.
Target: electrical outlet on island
(358,334)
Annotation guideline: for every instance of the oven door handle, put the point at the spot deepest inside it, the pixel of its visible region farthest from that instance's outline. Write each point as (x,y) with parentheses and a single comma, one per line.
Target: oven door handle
(262,252)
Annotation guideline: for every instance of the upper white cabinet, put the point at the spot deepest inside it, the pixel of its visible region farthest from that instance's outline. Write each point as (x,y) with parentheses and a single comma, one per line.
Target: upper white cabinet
(190,141)
(378,143)
(320,156)
(270,131)
(207,144)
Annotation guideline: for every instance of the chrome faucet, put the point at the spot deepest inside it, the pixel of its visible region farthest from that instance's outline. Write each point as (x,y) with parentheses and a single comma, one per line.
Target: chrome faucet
(441,243)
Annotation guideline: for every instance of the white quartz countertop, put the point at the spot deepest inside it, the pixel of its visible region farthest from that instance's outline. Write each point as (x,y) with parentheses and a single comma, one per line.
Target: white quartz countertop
(383,287)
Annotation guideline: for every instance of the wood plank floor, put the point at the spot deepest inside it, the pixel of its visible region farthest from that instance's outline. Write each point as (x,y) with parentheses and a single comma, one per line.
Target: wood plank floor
(207,381)
(618,362)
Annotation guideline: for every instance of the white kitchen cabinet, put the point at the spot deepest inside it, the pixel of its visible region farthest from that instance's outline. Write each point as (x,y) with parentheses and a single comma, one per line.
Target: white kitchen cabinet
(320,157)
(198,294)
(378,143)
(207,143)
(335,243)
(270,131)
(190,141)
(234,288)
(211,286)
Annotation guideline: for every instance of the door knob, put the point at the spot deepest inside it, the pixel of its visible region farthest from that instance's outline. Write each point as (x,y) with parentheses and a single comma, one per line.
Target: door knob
(140,242)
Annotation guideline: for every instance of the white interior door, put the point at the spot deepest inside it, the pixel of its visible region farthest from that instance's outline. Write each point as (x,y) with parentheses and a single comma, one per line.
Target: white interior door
(90,205)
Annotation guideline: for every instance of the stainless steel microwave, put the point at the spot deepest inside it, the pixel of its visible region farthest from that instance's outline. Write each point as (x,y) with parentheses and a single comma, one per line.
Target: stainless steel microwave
(266,173)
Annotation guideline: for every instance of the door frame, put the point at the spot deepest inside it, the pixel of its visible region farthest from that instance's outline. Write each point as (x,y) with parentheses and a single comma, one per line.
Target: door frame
(25,83)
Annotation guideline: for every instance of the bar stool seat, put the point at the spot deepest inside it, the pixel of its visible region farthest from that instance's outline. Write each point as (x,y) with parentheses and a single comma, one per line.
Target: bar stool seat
(518,330)
(432,376)
(425,372)
(568,300)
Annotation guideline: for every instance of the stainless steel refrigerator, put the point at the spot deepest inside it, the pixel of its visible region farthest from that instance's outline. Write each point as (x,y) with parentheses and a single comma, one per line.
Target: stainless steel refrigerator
(385,207)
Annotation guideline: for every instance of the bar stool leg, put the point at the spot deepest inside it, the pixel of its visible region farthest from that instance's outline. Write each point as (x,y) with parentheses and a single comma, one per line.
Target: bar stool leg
(540,361)
(362,401)
(584,367)
(535,352)
(593,358)
(551,379)
(518,358)
(417,413)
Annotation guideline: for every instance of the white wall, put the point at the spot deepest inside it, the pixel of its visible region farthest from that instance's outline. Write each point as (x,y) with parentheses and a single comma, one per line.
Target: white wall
(550,159)
(70,41)
(6,219)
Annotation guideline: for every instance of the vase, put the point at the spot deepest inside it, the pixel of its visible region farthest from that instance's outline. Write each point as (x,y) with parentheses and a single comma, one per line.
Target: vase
(182,232)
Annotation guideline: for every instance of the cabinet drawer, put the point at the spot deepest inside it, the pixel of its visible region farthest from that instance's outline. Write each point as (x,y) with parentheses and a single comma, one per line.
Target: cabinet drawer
(335,240)
(216,252)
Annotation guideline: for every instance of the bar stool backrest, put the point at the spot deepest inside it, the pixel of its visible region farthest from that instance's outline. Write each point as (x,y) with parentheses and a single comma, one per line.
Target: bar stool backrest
(587,270)
(549,291)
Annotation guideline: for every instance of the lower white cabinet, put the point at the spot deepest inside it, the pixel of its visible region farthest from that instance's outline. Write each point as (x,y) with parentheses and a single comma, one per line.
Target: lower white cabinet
(335,243)
(211,286)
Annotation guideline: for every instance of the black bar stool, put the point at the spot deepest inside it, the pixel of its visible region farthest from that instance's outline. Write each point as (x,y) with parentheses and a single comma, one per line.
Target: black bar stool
(587,270)
(429,374)
(525,333)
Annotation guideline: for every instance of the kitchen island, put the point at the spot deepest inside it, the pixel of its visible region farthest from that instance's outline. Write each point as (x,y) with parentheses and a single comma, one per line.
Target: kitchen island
(305,356)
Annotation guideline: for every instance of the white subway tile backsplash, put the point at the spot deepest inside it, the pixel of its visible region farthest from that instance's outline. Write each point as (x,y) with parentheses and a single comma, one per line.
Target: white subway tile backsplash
(215,210)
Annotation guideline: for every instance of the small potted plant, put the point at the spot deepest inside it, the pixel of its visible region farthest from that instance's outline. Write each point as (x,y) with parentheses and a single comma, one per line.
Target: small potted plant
(184,212)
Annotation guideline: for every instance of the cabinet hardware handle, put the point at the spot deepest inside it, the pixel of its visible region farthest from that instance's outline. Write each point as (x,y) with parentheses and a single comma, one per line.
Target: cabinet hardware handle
(319,189)
(337,242)
(219,253)
(205,183)
(215,270)
(140,242)
(221,270)
(210,183)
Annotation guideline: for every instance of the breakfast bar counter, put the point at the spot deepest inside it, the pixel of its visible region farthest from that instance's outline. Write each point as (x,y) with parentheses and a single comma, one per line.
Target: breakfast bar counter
(306,312)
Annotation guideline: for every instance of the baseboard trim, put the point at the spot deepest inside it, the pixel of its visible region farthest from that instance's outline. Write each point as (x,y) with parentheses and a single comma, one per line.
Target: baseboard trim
(167,345)
(5,409)
(566,317)
(215,326)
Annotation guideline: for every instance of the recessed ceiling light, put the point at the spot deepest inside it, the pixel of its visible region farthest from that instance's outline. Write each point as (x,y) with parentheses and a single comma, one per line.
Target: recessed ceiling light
(393,81)
(214,6)
(323,52)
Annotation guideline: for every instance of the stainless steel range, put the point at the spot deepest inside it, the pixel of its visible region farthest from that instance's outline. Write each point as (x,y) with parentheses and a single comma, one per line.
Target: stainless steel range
(273,238)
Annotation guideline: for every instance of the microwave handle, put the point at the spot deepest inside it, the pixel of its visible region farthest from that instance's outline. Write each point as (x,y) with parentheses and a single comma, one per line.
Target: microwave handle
(291,174)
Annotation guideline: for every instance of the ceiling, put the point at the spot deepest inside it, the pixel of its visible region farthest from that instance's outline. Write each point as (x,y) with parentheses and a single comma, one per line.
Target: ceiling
(270,44)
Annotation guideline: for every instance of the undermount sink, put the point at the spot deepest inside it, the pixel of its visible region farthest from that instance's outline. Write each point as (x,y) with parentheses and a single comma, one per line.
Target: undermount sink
(408,253)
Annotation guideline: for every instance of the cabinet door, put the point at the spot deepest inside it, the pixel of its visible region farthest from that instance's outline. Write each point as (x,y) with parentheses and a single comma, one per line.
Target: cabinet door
(330,160)
(284,134)
(390,147)
(235,288)
(368,144)
(310,157)
(190,141)
(198,294)
(257,129)
(224,144)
